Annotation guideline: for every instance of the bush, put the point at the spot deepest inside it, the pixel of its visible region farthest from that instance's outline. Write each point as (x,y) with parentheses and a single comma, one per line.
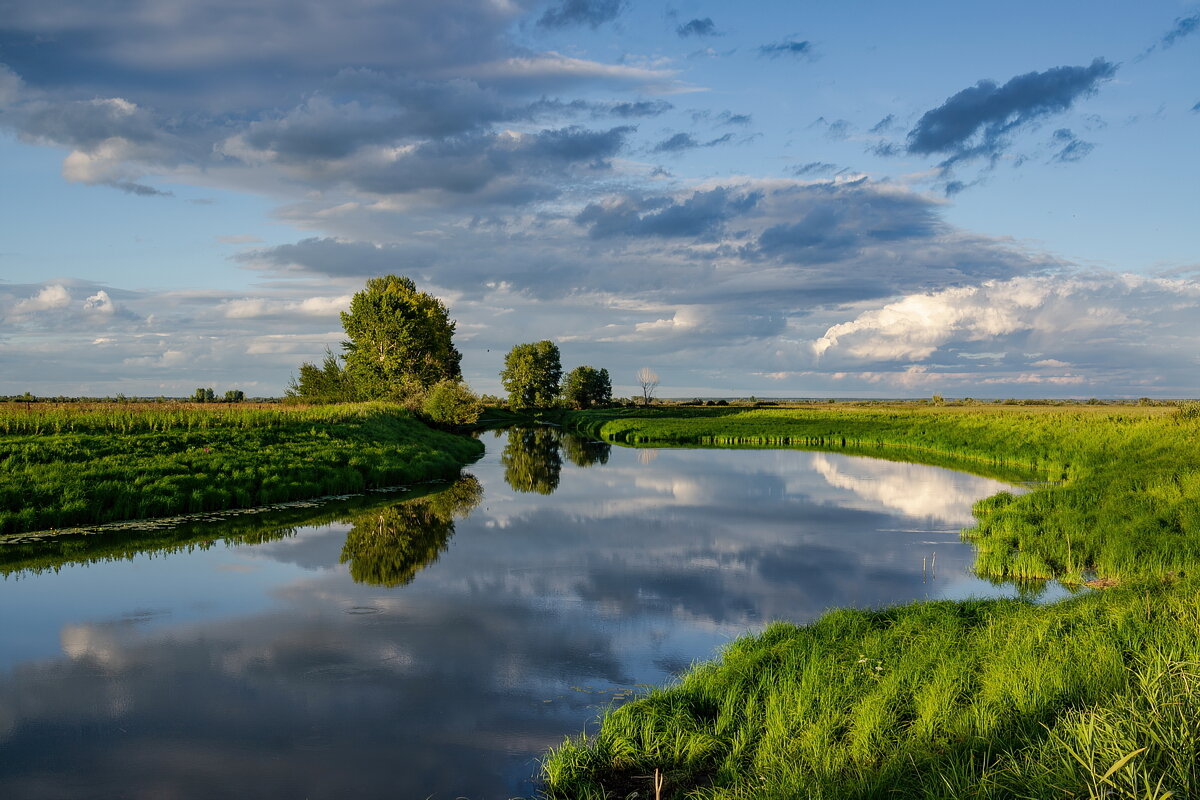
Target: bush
(451,403)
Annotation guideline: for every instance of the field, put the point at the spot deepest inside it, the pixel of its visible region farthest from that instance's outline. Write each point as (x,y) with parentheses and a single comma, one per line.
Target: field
(75,464)
(1097,696)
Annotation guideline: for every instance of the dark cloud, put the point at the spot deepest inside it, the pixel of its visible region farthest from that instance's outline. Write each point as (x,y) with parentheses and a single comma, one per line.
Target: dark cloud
(788,47)
(976,121)
(700,215)
(728,118)
(232,54)
(697,27)
(592,13)
(839,220)
(685,141)
(814,168)
(335,257)
(1184,26)
(496,167)
(1071,147)
(640,108)
(1197,106)
(884,125)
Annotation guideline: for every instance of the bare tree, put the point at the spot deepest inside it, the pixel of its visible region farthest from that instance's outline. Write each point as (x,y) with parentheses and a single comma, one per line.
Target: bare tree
(648,379)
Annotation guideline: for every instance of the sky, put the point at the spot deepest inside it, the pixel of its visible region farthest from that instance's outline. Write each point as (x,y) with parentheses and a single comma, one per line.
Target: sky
(777,199)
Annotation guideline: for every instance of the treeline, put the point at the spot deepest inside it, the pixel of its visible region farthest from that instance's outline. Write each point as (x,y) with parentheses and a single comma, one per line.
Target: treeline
(533,378)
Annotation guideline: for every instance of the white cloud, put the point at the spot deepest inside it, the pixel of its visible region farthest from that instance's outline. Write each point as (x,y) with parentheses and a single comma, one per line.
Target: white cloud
(51,297)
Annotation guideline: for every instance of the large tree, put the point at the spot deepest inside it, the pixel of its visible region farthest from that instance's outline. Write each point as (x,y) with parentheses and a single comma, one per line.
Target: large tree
(399,339)
(585,387)
(531,374)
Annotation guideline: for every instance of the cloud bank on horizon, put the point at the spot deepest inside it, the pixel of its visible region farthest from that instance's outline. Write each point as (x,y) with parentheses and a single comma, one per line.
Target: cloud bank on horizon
(578,170)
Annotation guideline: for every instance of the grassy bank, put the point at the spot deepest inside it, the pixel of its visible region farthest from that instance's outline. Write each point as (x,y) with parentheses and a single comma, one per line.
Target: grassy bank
(1098,696)
(68,465)
(1095,697)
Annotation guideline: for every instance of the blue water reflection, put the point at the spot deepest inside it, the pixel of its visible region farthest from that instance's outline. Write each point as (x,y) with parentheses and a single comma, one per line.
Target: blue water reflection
(435,648)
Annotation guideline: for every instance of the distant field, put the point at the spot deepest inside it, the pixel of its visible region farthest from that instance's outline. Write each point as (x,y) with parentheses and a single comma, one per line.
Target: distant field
(78,464)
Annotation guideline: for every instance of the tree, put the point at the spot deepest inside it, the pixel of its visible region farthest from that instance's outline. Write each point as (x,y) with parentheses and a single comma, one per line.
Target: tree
(531,374)
(328,383)
(234,396)
(648,379)
(585,387)
(202,395)
(399,338)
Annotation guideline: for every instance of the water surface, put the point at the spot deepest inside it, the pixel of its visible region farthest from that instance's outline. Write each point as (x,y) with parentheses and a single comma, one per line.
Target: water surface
(434,646)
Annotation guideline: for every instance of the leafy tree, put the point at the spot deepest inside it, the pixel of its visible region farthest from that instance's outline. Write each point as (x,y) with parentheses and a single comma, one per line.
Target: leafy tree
(234,396)
(585,387)
(451,403)
(531,374)
(328,383)
(202,395)
(399,338)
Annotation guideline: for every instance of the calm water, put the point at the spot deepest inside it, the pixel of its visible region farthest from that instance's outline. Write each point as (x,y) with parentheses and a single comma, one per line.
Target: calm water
(433,647)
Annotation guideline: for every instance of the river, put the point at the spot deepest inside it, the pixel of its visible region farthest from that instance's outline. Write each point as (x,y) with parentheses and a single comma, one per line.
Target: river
(434,646)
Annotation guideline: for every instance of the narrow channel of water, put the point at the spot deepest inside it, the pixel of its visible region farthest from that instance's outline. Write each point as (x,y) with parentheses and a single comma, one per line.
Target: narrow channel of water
(434,646)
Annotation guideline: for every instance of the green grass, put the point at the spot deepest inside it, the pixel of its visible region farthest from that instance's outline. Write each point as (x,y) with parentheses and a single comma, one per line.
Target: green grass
(1095,697)
(68,466)
(996,699)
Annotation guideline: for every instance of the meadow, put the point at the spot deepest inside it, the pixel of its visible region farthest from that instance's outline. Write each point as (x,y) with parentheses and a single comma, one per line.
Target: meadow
(1097,696)
(64,465)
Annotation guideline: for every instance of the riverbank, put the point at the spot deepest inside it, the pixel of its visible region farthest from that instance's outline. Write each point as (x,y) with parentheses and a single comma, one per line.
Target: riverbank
(70,466)
(1097,696)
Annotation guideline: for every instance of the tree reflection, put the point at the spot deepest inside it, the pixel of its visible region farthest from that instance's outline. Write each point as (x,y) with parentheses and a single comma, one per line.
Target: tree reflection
(531,460)
(389,546)
(584,452)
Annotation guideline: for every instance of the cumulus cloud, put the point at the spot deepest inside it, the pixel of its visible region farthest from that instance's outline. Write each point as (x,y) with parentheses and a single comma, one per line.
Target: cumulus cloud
(1093,321)
(51,297)
(978,120)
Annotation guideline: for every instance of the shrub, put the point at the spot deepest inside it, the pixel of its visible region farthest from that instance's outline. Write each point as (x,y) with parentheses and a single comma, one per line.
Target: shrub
(451,403)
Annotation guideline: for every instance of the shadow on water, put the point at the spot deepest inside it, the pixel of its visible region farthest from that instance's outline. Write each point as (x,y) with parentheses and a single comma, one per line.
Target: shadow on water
(389,541)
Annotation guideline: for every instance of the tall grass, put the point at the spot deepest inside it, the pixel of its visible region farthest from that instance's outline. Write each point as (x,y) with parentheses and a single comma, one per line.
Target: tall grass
(65,466)
(1095,697)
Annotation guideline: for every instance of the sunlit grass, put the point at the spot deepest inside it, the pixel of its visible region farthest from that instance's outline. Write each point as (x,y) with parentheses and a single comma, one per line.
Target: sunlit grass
(65,466)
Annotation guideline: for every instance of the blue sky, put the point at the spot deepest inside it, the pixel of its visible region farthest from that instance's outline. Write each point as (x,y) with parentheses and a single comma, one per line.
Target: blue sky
(868,199)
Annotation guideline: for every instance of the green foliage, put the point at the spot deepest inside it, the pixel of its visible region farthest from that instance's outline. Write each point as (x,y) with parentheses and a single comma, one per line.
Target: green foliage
(202,395)
(65,467)
(1093,697)
(451,403)
(329,383)
(234,396)
(531,374)
(586,387)
(398,336)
